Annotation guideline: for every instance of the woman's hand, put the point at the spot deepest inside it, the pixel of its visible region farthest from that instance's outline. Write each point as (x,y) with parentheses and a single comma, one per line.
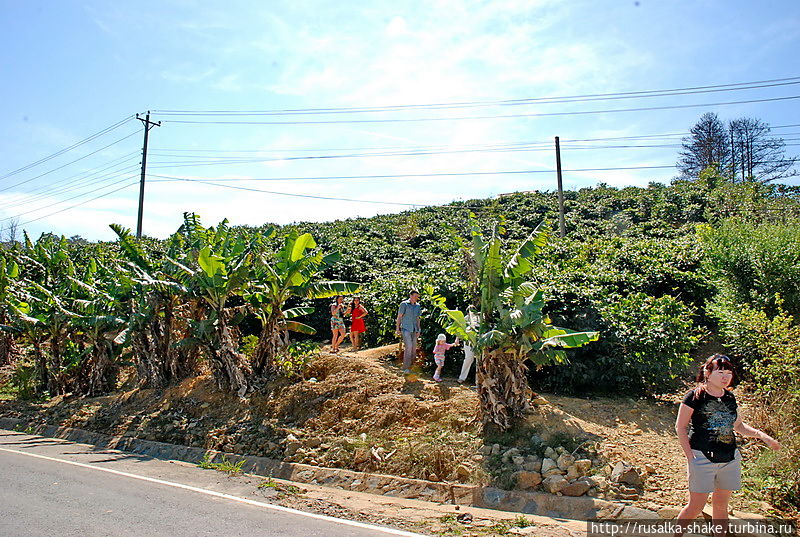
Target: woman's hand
(771,443)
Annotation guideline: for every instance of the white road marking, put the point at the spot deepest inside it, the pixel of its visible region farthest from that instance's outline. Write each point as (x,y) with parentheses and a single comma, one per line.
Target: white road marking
(362,525)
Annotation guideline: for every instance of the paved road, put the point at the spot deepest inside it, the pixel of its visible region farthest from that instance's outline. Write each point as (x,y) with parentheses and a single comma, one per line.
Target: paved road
(53,487)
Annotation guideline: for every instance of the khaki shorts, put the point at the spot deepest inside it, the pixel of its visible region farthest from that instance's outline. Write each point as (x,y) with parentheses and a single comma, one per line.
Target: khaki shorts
(706,476)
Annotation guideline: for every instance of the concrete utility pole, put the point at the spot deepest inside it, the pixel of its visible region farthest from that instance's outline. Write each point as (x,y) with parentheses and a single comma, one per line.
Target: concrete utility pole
(147,126)
(561,227)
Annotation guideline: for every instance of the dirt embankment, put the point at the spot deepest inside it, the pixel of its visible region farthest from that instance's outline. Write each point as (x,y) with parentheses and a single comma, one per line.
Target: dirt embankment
(357,411)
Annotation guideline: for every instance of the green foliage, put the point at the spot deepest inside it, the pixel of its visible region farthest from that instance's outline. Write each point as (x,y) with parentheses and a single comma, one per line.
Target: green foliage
(655,336)
(293,360)
(23,380)
(769,346)
(224,466)
(752,262)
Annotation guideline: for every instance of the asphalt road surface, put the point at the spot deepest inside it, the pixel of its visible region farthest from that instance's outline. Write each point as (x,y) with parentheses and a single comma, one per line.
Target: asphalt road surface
(51,487)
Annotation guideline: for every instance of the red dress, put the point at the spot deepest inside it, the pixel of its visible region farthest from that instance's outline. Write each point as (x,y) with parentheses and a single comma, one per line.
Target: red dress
(358,323)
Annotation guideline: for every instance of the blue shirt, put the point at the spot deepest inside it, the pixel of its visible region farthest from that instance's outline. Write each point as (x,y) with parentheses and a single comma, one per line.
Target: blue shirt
(410,320)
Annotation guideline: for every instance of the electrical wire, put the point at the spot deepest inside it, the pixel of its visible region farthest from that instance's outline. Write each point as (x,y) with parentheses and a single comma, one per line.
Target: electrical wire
(69,188)
(81,203)
(62,201)
(499,116)
(70,148)
(68,163)
(511,102)
(75,178)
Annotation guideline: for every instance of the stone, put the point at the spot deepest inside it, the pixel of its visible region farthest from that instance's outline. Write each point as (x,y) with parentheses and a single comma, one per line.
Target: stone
(548,465)
(561,450)
(573,473)
(513,452)
(536,440)
(636,432)
(554,483)
(577,488)
(600,481)
(583,466)
(625,473)
(477,457)
(485,450)
(649,469)
(533,466)
(539,401)
(630,512)
(292,447)
(518,460)
(528,480)
(496,449)
(550,453)
(669,513)
(565,460)
(463,472)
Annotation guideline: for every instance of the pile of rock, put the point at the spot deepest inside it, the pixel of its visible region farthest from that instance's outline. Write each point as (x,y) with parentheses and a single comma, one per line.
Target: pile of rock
(557,472)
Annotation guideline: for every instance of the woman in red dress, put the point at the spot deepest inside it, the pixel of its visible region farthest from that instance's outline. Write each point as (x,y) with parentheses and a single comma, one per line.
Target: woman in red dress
(358,312)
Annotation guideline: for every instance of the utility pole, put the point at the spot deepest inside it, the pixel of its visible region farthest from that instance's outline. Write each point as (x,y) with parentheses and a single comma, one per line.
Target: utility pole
(561,227)
(147,126)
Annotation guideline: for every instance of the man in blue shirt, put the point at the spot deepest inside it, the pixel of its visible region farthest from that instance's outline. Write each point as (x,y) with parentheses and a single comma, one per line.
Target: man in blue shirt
(408,327)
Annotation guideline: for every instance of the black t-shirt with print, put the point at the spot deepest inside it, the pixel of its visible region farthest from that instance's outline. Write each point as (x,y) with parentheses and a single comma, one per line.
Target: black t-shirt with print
(712,422)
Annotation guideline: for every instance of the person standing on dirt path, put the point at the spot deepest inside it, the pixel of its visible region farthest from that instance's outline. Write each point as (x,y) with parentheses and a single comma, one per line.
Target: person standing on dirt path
(469,352)
(357,311)
(713,461)
(338,328)
(408,327)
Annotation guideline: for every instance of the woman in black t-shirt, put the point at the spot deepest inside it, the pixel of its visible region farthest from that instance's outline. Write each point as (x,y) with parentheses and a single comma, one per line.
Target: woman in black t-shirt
(714,463)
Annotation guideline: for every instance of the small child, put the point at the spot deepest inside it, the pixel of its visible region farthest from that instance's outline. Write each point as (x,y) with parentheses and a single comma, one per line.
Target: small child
(438,354)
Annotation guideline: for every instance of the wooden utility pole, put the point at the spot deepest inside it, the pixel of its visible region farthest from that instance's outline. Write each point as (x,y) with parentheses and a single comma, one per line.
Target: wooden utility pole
(561,227)
(147,126)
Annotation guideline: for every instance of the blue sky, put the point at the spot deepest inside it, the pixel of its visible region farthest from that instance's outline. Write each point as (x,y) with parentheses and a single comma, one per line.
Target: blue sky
(70,69)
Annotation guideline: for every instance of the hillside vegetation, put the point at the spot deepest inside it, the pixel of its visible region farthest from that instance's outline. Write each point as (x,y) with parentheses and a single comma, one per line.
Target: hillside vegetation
(665,274)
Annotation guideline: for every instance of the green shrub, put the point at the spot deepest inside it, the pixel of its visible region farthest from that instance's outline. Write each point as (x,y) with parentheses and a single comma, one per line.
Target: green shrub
(655,336)
(751,263)
(23,381)
(293,360)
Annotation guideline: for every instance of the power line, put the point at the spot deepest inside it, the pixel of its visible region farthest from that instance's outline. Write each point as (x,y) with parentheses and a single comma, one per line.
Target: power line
(82,203)
(66,149)
(499,116)
(413,175)
(62,201)
(69,187)
(81,176)
(68,163)
(511,102)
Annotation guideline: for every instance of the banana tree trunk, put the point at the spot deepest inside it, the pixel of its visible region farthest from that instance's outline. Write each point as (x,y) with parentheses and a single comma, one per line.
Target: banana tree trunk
(227,364)
(99,373)
(269,341)
(41,364)
(7,344)
(503,388)
(56,382)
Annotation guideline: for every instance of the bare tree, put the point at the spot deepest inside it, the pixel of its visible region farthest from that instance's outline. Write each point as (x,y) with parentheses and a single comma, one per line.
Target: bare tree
(707,145)
(8,234)
(757,155)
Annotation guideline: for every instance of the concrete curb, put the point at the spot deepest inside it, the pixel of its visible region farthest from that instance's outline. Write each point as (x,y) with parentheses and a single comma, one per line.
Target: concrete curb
(534,503)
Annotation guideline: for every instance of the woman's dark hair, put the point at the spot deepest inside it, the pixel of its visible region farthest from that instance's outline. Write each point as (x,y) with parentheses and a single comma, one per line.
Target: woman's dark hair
(712,363)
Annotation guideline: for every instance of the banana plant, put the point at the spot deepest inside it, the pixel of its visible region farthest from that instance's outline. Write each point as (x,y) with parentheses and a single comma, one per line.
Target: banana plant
(215,267)
(513,327)
(9,282)
(294,272)
(157,305)
(100,327)
(49,287)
